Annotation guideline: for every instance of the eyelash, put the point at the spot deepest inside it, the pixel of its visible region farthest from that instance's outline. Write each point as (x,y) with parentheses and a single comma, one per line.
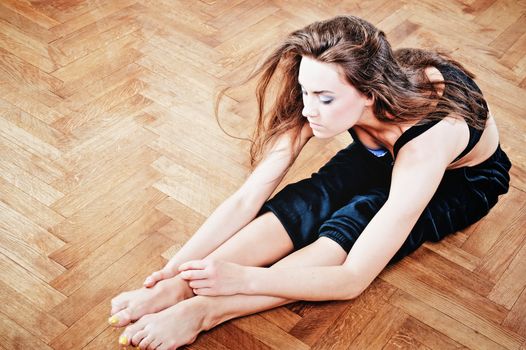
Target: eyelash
(326,102)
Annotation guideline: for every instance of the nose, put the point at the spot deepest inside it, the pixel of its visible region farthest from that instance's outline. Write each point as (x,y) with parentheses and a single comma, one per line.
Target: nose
(309,109)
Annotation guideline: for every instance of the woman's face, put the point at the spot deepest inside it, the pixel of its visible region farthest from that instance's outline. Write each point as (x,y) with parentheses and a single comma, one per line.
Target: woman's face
(330,104)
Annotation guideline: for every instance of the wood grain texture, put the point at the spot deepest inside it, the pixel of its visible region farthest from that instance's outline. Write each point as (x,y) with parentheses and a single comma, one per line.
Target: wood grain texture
(111,158)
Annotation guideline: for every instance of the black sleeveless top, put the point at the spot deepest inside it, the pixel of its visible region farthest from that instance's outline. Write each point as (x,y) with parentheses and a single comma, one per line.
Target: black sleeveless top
(450,73)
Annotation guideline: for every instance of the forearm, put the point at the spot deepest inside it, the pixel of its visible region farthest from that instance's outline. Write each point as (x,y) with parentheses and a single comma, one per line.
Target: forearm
(316,283)
(228,218)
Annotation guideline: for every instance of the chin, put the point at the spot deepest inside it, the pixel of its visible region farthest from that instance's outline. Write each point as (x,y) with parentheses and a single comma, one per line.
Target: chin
(321,135)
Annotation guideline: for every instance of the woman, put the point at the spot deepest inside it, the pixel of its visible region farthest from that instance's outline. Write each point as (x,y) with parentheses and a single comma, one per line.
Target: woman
(425,162)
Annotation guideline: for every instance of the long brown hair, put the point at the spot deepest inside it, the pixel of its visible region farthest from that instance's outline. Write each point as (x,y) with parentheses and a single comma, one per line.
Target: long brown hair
(396,80)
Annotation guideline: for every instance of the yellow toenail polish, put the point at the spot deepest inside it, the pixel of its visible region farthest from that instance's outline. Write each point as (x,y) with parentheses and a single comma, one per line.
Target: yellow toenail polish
(113,320)
(123,340)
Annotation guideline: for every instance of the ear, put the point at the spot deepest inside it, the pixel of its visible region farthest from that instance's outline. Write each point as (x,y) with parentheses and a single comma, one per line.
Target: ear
(370,98)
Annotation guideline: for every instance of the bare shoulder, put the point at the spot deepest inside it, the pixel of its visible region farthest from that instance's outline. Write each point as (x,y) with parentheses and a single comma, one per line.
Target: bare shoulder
(434,76)
(444,141)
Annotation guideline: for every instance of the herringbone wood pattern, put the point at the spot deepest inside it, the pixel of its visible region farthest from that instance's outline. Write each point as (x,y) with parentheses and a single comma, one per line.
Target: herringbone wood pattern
(111,158)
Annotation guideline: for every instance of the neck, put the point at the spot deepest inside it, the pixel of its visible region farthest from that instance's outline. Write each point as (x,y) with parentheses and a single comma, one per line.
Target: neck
(383,132)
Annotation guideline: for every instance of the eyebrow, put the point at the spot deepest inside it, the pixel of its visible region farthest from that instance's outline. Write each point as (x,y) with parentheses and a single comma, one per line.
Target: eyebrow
(320,92)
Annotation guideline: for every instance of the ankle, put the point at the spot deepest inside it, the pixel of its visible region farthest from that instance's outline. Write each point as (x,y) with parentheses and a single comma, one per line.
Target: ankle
(201,308)
(184,289)
(175,288)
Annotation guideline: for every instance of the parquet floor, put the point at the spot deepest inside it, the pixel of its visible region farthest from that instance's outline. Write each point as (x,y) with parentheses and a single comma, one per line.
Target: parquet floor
(110,157)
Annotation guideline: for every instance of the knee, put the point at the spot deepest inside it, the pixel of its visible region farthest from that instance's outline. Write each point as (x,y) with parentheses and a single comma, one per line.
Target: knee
(332,248)
(347,223)
(356,214)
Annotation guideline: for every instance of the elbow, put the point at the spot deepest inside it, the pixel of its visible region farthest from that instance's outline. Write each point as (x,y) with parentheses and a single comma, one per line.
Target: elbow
(352,293)
(245,203)
(354,285)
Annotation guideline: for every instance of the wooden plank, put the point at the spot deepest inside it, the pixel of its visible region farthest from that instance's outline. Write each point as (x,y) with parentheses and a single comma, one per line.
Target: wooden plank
(123,206)
(513,281)
(26,25)
(97,88)
(26,48)
(25,9)
(98,34)
(16,307)
(458,310)
(31,287)
(493,265)
(19,72)
(380,329)
(24,139)
(268,333)
(15,337)
(92,15)
(185,220)
(111,251)
(186,187)
(356,317)
(104,181)
(493,226)
(95,110)
(415,333)
(515,320)
(28,183)
(92,327)
(98,64)
(96,290)
(455,330)
(96,158)
(28,207)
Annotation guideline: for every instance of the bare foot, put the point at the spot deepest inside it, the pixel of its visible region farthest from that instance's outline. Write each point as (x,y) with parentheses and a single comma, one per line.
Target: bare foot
(130,306)
(169,329)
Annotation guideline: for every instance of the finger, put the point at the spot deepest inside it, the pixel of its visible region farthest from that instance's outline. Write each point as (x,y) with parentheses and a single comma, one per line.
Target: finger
(154,278)
(162,274)
(199,284)
(204,291)
(150,280)
(193,265)
(194,274)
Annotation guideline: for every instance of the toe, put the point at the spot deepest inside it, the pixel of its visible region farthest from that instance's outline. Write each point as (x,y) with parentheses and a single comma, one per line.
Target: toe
(154,345)
(121,318)
(138,337)
(146,342)
(118,303)
(130,332)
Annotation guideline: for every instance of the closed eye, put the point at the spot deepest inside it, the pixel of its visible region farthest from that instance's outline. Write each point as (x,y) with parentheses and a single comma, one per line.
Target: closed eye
(325,100)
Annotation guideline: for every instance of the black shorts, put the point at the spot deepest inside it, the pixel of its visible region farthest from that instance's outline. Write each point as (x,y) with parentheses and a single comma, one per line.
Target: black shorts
(343,196)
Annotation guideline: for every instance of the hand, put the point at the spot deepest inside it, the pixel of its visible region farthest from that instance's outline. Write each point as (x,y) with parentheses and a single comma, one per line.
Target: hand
(166,272)
(211,277)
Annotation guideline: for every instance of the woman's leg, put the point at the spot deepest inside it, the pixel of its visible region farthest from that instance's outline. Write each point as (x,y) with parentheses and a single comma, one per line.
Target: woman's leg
(181,323)
(301,208)
(262,242)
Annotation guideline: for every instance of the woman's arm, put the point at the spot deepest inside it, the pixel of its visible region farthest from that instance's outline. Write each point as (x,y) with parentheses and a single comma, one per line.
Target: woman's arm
(240,208)
(377,244)
(416,175)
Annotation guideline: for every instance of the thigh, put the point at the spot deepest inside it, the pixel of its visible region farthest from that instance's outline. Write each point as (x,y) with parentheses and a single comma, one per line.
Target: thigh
(322,252)
(303,206)
(261,242)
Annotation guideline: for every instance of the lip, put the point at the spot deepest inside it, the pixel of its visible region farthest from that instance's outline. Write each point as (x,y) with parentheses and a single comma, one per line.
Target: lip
(314,124)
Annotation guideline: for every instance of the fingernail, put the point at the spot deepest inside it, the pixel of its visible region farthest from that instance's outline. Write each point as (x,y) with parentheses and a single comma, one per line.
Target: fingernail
(123,340)
(113,320)
(148,280)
